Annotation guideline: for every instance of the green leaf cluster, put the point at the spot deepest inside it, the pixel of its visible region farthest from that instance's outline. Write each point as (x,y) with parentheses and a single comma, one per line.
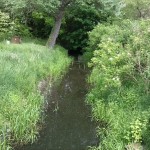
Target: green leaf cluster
(76,25)
(121,81)
(6,26)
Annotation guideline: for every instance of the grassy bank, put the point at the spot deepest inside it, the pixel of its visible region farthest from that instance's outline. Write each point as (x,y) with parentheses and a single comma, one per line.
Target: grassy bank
(120,81)
(22,67)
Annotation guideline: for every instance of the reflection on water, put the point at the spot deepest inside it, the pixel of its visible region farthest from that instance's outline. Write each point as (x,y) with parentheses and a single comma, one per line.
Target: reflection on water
(68,121)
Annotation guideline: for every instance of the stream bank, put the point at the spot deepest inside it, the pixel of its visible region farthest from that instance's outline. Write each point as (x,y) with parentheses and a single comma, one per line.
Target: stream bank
(68,124)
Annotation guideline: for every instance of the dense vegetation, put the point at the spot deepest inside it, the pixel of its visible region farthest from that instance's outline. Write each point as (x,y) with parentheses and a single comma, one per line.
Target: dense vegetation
(114,37)
(121,83)
(21,104)
(5,25)
(38,19)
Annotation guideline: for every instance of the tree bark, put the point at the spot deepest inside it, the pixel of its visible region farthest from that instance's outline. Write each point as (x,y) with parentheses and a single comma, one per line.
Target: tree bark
(58,20)
(55,31)
(140,12)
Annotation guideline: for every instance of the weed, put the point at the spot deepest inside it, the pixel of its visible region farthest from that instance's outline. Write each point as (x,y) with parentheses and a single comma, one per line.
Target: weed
(22,68)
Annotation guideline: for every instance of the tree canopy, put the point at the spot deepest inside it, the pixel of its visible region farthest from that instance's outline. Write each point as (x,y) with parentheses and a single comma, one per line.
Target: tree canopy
(45,17)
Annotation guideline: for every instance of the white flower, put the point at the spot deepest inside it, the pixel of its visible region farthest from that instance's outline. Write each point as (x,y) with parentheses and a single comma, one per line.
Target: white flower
(129,54)
(116,78)
(111,59)
(7,42)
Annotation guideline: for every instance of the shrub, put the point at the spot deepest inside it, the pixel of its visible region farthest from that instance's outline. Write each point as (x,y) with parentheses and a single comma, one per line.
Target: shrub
(6,26)
(21,30)
(121,81)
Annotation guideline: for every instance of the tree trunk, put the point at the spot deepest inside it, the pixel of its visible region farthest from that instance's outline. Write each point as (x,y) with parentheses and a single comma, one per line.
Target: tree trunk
(140,12)
(55,31)
(58,20)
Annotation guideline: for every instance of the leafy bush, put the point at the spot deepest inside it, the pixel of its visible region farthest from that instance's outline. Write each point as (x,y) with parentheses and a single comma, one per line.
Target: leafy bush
(40,24)
(83,19)
(6,26)
(104,31)
(121,81)
(21,30)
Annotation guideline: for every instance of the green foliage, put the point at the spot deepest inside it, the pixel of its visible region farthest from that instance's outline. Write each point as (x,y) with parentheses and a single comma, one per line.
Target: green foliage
(6,26)
(21,104)
(23,8)
(40,24)
(21,30)
(136,9)
(28,15)
(80,20)
(121,82)
(103,31)
(77,23)
(39,16)
(136,129)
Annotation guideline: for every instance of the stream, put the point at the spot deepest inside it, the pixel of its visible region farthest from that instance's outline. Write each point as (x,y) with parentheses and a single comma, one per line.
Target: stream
(68,124)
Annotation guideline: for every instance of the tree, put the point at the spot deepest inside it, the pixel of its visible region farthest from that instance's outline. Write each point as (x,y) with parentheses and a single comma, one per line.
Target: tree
(24,8)
(137,8)
(58,20)
(64,4)
(78,21)
(55,8)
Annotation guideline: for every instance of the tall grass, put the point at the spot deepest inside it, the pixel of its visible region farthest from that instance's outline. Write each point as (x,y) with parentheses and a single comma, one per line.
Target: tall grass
(21,68)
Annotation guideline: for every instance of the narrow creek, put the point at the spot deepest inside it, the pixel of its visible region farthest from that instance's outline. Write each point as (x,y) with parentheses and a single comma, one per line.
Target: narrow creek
(68,124)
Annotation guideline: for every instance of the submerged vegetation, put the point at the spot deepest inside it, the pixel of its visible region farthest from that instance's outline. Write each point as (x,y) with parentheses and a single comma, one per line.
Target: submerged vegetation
(21,104)
(121,83)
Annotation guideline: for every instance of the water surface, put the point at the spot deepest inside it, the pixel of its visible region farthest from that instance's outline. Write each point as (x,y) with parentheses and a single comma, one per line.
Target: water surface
(68,123)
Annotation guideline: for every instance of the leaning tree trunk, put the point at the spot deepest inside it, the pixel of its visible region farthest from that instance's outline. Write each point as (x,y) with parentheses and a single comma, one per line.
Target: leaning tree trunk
(55,31)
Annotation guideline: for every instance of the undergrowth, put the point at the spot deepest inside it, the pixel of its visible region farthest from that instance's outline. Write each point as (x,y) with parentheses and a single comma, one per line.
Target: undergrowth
(120,81)
(22,67)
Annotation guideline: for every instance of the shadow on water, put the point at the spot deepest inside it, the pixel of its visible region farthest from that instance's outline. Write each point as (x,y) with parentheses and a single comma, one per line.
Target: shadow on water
(68,123)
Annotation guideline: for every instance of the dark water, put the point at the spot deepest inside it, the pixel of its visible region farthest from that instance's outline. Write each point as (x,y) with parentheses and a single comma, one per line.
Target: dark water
(68,123)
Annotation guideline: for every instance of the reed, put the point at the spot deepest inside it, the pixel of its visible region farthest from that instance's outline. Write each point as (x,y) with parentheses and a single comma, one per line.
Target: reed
(22,67)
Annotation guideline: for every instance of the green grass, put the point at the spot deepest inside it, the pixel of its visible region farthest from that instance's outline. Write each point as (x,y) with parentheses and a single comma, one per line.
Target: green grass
(123,118)
(22,67)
